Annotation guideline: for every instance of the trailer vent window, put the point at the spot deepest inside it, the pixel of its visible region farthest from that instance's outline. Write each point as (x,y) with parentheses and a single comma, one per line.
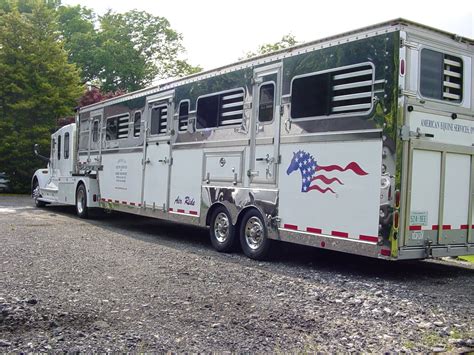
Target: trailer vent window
(441,76)
(137,124)
(340,91)
(95,131)
(183,116)
(117,127)
(159,119)
(266,103)
(231,108)
(66,145)
(220,110)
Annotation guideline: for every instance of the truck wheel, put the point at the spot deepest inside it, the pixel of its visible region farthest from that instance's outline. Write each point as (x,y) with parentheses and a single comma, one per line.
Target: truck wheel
(222,231)
(253,236)
(35,193)
(81,202)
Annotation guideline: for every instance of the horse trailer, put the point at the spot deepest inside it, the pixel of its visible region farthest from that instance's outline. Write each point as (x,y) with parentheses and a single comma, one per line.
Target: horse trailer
(361,143)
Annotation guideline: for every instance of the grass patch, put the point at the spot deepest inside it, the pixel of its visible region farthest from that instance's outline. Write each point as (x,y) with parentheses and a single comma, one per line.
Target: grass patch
(469,258)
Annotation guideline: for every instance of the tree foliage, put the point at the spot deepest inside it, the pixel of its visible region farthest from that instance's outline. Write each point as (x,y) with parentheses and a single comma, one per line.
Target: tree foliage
(122,51)
(37,85)
(286,41)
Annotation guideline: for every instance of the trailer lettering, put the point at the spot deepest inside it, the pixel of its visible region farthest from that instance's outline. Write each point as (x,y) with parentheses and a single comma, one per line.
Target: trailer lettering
(445,126)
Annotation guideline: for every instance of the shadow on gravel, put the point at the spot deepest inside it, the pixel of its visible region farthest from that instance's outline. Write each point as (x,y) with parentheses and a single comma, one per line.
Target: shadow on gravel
(295,257)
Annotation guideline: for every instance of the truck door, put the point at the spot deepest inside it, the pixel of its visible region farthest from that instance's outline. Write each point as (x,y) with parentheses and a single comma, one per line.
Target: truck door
(157,159)
(265,127)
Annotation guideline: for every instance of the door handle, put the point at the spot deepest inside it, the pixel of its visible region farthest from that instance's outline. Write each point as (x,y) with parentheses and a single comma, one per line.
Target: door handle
(266,159)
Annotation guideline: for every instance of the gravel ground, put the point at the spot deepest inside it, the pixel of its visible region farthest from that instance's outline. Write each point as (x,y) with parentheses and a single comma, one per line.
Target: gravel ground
(127,283)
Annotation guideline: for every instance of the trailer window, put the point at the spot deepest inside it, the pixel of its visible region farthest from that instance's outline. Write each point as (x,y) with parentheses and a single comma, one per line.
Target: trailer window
(159,118)
(441,76)
(346,90)
(183,116)
(266,104)
(222,109)
(59,147)
(95,131)
(117,127)
(66,145)
(137,124)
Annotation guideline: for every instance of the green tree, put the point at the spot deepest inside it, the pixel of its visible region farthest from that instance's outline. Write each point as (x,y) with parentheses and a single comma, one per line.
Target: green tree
(37,85)
(122,51)
(286,41)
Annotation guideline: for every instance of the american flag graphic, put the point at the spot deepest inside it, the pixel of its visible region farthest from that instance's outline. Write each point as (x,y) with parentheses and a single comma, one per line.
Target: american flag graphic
(314,175)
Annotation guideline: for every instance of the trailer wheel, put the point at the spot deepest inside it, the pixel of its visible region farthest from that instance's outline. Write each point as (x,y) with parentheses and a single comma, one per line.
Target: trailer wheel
(81,202)
(35,193)
(222,231)
(253,236)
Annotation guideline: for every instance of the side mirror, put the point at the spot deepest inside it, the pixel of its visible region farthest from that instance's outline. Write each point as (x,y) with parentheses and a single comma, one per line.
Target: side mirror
(42,157)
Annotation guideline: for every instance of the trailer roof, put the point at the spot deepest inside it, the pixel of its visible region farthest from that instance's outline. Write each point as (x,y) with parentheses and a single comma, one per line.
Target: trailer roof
(175,82)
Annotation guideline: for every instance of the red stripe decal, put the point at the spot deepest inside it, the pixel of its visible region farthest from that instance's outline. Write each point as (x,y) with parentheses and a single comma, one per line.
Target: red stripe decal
(446,226)
(314,230)
(180,210)
(102,199)
(117,201)
(415,228)
(464,226)
(124,202)
(368,238)
(171,210)
(193,213)
(435,227)
(132,203)
(139,205)
(340,234)
(290,226)
(385,252)
(110,200)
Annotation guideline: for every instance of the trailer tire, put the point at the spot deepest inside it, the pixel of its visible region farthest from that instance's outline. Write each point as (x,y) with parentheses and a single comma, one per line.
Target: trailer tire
(81,202)
(222,231)
(254,236)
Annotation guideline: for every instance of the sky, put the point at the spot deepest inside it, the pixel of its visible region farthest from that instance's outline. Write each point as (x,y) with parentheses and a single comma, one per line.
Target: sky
(217,33)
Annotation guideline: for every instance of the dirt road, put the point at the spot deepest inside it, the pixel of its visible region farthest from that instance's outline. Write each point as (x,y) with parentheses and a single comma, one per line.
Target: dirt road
(129,283)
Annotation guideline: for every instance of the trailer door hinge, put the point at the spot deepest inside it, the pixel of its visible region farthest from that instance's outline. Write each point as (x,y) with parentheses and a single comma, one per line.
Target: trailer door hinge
(408,44)
(406,134)
(407,93)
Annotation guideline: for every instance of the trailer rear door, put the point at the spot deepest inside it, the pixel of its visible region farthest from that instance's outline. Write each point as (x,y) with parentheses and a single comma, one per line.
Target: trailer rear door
(440,183)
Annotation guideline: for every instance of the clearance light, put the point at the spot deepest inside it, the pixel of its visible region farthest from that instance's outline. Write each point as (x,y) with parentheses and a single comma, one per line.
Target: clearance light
(395,219)
(402,67)
(397,198)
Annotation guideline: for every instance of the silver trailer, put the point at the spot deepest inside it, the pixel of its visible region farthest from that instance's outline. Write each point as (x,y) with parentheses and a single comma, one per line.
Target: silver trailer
(362,143)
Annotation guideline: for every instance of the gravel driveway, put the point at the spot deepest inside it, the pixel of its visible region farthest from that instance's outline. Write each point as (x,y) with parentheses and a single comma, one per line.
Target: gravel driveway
(127,283)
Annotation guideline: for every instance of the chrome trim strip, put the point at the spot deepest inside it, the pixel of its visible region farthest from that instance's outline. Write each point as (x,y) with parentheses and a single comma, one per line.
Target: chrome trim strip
(318,137)
(218,144)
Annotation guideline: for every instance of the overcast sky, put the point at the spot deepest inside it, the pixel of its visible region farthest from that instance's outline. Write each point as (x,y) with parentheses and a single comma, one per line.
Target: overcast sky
(219,32)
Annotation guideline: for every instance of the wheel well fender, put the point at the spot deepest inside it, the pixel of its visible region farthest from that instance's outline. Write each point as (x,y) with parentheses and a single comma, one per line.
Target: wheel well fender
(243,211)
(211,211)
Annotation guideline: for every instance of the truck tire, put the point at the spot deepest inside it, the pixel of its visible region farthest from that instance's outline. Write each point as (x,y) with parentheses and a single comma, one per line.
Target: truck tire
(81,202)
(254,236)
(35,194)
(222,231)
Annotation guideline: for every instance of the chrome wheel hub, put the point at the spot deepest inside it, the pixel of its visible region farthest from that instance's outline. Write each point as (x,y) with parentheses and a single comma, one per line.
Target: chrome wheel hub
(80,201)
(221,227)
(254,233)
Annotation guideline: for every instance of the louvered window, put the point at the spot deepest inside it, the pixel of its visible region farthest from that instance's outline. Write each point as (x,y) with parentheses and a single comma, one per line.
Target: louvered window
(441,76)
(117,127)
(220,110)
(231,108)
(346,91)
(159,119)
(137,122)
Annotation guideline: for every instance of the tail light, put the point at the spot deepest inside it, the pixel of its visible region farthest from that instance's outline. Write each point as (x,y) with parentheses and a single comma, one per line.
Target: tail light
(397,198)
(396,218)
